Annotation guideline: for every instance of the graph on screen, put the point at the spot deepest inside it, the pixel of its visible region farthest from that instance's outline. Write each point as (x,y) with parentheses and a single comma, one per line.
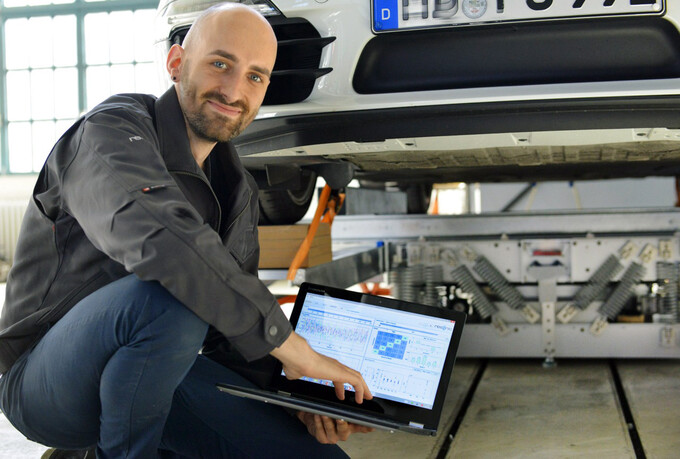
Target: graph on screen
(399,354)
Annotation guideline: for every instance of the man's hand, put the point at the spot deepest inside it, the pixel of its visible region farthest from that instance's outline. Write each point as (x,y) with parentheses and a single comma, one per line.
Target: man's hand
(328,430)
(299,359)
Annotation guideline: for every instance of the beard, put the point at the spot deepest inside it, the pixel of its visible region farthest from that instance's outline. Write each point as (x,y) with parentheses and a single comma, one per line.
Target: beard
(209,125)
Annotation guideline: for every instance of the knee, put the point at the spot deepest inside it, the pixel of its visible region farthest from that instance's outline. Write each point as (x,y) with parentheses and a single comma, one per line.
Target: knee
(167,314)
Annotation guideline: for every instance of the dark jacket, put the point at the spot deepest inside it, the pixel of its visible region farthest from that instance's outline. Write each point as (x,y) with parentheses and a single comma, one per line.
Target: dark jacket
(121,193)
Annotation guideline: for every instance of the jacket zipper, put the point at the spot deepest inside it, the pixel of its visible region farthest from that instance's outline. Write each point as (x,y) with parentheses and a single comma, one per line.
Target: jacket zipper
(148,189)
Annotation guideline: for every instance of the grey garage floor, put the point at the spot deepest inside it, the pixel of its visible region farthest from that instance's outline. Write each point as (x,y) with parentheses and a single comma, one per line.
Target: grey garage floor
(517,409)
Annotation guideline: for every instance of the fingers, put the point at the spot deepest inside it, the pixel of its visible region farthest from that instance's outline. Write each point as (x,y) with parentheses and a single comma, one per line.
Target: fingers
(339,389)
(330,431)
(322,428)
(354,378)
(356,428)
(343,429)
(299,359)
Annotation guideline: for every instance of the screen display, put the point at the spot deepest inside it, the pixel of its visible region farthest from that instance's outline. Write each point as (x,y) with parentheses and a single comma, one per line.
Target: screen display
(400,354)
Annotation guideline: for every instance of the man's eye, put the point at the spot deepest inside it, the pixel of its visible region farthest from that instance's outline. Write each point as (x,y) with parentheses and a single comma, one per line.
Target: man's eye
(220,65)
(256,78)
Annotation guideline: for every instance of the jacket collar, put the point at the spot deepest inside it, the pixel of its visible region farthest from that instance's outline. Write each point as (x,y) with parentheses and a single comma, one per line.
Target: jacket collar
(172,134)
(229,178)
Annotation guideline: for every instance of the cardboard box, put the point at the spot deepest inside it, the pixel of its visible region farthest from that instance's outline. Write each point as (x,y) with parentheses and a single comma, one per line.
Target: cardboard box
(280,243)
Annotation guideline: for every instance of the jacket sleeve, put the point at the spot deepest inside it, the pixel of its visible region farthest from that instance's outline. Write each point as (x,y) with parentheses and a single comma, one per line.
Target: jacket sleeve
(119,190)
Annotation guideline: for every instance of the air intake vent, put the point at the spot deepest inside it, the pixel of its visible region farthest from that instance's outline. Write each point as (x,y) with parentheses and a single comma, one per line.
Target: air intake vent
(297,59)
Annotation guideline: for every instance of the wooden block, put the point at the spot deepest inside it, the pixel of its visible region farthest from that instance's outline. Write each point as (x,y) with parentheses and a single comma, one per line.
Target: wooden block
(279,244)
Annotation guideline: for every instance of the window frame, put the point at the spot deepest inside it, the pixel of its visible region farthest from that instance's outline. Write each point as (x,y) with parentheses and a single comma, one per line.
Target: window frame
(79,8)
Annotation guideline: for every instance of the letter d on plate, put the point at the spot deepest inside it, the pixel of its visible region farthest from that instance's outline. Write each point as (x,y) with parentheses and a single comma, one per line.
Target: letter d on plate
(385,15)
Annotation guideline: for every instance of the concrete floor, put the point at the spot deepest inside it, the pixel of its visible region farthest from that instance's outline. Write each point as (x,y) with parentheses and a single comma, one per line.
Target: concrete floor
(14,446)
(521,410)
(518,409)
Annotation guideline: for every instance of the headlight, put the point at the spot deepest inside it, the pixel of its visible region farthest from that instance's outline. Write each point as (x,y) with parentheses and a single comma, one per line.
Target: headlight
(185,11)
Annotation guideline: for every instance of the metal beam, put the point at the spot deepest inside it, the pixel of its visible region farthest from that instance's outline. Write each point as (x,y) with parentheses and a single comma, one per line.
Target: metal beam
(514,225)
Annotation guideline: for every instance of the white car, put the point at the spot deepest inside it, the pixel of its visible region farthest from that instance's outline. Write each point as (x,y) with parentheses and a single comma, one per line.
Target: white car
(417,92)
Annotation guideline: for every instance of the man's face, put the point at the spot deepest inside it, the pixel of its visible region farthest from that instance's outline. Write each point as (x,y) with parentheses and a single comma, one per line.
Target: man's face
(224,76)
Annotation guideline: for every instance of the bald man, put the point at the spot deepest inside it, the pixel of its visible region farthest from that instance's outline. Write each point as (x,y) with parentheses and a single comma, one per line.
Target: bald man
(138,249)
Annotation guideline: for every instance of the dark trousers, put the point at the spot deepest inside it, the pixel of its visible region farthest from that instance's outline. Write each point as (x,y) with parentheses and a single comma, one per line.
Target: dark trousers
(121,371)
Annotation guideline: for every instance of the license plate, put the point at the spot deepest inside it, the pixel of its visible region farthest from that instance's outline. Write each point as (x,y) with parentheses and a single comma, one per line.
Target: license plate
(394,15)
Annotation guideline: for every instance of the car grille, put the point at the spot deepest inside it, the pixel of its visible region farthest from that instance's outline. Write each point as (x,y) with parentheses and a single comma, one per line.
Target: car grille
(520,54)
(297,61)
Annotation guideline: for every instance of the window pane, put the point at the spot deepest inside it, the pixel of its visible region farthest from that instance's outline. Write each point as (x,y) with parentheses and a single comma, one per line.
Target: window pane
(98,84)
(146,79)
(40,33)
(41,59)
(43,141)
(122,42)
(122,78)
(42,94)
(64,41)
(13,3)
(66,94)
(16,45)
(19,136)
(97,38)
(19,95)
(144,39)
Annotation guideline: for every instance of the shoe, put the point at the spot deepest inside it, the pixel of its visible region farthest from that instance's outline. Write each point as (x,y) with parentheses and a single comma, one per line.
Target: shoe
(54,453)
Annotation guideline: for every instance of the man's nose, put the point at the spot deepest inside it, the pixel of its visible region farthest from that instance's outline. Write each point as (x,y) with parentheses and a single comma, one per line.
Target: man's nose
(233,86)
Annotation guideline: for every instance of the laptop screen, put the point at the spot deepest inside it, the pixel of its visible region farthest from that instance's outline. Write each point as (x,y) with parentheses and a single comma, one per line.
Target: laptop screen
(400,354)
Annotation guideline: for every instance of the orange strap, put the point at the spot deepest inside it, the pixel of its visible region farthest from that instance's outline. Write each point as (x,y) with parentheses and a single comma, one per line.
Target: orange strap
(435,205)
(325,212)
(376,290)
(286,299)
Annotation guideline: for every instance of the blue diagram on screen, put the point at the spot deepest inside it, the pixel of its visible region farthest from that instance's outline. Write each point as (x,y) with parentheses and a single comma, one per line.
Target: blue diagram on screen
(390,345)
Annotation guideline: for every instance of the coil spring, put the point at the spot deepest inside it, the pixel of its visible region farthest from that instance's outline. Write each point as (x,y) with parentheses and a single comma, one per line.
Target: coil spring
(406,282)
(463,277)
(498,283)
(433,276)
(598,282)
(667,275)
(617,300)
(395,282)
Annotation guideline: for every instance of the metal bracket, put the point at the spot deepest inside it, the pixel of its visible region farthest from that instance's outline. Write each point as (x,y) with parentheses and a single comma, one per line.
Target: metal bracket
(548,300)
(547,297)
(567,313)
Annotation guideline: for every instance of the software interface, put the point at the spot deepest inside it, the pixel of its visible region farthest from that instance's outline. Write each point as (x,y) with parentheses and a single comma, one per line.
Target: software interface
(400,354)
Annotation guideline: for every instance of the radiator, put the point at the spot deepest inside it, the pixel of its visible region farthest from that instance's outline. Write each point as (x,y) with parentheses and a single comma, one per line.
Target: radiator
(11,214)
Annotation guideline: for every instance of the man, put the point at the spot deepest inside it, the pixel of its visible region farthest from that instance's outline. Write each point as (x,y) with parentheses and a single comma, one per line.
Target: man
(140,235)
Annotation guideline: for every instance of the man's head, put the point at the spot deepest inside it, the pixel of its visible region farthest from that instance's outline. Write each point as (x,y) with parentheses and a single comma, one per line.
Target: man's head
(222,71)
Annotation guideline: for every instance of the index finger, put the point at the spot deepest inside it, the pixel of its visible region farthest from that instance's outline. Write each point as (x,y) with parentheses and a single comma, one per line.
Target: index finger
(361,390)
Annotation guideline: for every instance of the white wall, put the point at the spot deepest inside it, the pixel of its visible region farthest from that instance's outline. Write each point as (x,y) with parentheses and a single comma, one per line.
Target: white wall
(597,194)
(16,187)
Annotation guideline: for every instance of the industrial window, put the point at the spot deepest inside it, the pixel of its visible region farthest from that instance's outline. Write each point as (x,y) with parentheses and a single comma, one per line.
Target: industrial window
(60,58)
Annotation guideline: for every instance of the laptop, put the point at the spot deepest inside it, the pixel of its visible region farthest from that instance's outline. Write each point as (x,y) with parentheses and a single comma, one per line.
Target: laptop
(404,351)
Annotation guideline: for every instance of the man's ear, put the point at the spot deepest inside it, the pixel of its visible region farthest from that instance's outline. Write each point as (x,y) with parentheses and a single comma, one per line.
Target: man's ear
(173,63)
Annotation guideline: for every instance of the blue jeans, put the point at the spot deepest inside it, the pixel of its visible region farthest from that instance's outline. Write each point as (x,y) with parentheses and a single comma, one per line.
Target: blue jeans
(121,371)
